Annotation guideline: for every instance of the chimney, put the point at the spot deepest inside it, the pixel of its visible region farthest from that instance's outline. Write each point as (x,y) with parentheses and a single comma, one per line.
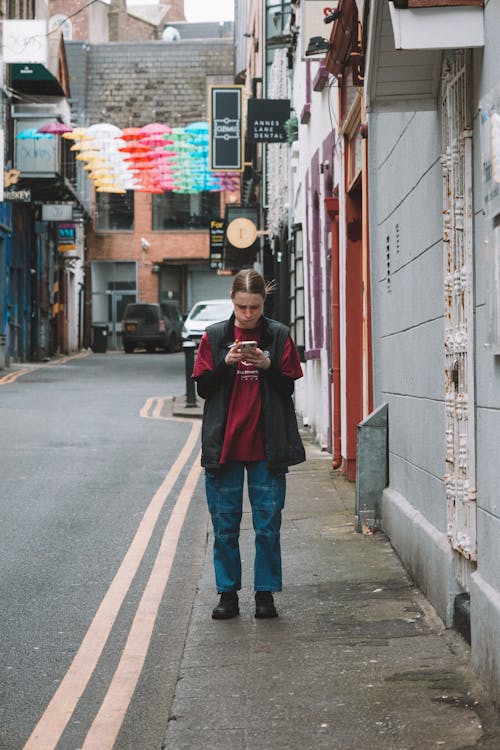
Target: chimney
(176,10)
(117,20)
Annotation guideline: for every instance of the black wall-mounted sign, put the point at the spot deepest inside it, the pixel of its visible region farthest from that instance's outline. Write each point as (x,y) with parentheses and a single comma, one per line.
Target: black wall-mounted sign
(216,234)
(266,120)
(24,196)
(226,128)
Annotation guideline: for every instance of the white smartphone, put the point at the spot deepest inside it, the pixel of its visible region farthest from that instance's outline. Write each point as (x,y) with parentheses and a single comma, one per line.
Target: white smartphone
(246,345)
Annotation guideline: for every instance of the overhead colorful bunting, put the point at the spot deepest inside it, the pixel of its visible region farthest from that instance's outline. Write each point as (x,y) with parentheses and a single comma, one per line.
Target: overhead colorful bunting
(154,158)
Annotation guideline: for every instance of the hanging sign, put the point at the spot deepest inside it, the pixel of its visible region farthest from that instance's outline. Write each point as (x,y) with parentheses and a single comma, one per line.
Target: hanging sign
(57,212)
(266,120)
(226,137)
(241,242)
(66,237)
(24,42)
(216,233)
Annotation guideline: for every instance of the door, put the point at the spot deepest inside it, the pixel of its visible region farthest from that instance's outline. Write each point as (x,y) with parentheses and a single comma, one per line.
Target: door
(114,285)
(118,301)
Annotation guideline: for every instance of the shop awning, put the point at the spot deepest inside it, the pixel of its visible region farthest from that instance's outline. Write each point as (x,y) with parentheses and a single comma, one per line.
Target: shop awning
(34,78)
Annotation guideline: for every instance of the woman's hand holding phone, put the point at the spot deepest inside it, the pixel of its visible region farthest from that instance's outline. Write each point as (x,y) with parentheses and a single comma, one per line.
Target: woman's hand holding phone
(250,352)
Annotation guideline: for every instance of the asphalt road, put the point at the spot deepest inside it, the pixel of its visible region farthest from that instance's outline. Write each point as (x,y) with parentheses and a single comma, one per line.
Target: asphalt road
(103,531)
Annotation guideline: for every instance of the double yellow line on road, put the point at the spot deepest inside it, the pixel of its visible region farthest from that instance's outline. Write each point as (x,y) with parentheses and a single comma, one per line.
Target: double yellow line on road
(11,377)
(106,725)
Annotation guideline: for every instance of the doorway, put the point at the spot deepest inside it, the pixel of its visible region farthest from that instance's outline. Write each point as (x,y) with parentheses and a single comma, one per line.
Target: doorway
(114,285)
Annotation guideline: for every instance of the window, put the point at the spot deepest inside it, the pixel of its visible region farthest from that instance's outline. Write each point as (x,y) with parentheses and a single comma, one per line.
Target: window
(185,210)
(354,142)
(115,211)
(355,148)
(60,21)
(20,9)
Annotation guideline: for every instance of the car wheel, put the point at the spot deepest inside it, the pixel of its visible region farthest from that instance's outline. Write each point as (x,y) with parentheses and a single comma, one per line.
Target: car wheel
(172,344)
(150,348)
(128,348)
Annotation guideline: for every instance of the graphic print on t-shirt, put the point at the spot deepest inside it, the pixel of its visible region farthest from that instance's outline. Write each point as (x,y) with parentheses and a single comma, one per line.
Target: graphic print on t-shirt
(243,438)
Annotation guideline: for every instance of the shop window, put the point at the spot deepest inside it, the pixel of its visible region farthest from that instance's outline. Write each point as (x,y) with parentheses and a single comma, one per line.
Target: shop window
(185,210)
(115,211)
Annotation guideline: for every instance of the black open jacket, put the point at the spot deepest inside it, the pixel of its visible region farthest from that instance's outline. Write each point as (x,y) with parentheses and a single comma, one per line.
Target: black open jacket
(282,443)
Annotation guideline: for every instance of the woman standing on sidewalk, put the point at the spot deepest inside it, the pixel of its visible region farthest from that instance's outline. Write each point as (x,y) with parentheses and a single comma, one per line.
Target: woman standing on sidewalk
(248,422)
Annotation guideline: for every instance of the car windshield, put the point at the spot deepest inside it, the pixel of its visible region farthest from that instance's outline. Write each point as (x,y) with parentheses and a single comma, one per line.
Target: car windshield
(171,311)
(211,311)
(142,313)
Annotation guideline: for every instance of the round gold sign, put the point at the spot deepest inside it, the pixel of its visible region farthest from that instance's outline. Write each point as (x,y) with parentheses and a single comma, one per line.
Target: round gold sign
(241,232)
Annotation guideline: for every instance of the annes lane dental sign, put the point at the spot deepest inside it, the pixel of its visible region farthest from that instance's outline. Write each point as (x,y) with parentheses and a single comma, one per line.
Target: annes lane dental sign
(266,120)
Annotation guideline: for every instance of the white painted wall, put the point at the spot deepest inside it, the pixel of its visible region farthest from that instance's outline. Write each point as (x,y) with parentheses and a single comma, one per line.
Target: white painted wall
(75,279)
(408,326)
(314,400)
(408,334)
(485,592)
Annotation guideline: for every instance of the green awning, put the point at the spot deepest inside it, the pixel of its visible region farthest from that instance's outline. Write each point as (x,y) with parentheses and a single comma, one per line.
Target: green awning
(34,78)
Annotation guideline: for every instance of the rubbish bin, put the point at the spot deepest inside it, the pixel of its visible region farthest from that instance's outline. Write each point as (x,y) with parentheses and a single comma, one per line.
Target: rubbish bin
(100,338)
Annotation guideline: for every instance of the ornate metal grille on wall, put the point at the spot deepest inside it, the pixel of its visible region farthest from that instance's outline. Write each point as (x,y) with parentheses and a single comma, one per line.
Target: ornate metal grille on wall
(460,485)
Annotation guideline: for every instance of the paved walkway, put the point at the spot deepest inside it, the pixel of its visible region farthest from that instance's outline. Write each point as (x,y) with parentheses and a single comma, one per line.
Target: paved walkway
(357,658)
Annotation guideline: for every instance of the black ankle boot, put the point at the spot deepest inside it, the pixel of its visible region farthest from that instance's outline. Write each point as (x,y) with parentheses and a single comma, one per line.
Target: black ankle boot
(264,605)
(227,607)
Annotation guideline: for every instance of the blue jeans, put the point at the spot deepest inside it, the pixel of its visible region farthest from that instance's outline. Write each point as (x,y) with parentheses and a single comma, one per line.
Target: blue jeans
(266,492)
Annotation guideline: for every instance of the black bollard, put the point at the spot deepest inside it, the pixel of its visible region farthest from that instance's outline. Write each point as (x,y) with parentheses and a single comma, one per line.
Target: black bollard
(189,347)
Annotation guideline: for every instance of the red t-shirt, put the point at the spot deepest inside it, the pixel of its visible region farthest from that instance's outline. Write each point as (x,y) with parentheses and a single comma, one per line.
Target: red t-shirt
(243,435)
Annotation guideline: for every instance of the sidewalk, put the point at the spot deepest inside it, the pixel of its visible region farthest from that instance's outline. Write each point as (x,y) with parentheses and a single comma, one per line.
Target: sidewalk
(357,658)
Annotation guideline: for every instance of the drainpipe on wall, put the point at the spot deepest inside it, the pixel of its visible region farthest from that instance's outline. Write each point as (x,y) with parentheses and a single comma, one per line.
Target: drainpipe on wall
(332,208)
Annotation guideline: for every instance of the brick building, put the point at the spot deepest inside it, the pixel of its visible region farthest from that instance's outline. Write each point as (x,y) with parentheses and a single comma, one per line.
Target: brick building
(142,246)
(114,21)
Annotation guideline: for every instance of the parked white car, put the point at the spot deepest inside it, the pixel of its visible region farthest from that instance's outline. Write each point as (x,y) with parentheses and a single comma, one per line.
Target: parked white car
(202,314)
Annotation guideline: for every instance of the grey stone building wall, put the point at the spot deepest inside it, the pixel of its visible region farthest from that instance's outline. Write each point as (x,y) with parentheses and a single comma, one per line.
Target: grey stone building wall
(133,83)
(78,59)
(204,29)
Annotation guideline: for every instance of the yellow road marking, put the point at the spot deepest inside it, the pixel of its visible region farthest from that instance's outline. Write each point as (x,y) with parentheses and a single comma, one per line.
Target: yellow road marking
(106,725)
(144,412)
(11,377)
(56,716)
(159,406)
(154,407)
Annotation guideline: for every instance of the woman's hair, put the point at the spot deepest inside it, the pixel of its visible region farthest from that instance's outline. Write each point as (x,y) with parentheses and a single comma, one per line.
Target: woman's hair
(251,282)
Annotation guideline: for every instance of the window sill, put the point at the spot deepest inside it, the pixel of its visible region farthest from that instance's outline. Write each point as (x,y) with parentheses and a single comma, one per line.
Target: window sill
(312,354)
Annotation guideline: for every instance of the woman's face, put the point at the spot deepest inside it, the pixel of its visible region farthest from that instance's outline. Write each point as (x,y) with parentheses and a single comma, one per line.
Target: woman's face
(248,309)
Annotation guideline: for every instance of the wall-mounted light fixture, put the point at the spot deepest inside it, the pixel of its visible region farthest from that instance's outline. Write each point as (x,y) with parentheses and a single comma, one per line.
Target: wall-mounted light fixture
(331,14)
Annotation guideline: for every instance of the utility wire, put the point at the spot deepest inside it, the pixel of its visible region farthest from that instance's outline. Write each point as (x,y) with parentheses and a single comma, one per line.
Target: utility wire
(31,41)
(67,18)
